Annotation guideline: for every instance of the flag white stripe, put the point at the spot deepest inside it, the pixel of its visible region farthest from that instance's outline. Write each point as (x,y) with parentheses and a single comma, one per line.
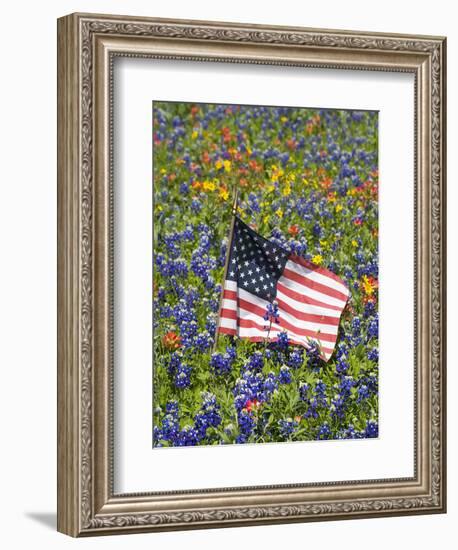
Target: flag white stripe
(327,329)
(307,308)
(302,289)
(228,303)
(230,285)
(254,332)
(228,323)
(328,339)
(250,316)
(316,277)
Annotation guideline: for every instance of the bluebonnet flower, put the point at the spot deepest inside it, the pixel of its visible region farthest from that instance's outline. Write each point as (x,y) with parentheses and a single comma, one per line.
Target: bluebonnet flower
(350,433)
(283,341)
(314,360)
(196,206)
(255,362)
(295,359)
(272,313)
(317,230)
(253,202)
(320,393)
(222,363)
(363,392)
(285,375)
(184,188)
(203,341)
(324,432)
(247,388)
(369,309)
(372,329)
(371,429)
(174,362)
(186,437)
(287,427)
(342,365)
(208,416)
(170,423)
(341,400)
(183,377)
(188,233)
(356,326)
(303,391)
(246,425)
(372,354)
(270,384)
(210,325)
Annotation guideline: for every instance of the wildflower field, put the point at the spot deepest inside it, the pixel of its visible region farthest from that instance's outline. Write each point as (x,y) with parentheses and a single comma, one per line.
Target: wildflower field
(308,182)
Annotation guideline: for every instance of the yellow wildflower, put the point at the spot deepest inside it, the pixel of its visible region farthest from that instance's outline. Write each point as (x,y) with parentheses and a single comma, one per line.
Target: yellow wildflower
(219,164)
(367,285)
(317,259)
(163,171)
(279,213)
(305,181)
(227,165)
(354,243)
(159,208)
(224,194)
(287,190)
(276,173)
(266,218)
(284,119)
(208,186)
(324,243)
(339,207)
(194,134)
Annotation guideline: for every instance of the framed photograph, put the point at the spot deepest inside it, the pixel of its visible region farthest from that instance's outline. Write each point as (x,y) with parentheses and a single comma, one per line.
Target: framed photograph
(251,290)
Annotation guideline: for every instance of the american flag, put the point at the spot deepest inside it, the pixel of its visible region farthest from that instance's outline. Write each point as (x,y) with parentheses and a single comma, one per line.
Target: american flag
(310,298)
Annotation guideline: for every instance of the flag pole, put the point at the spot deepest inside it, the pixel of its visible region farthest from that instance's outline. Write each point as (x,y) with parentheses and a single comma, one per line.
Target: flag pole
(226,264)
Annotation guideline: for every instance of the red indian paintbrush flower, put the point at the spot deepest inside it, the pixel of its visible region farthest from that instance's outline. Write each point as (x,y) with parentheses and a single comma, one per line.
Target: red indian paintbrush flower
(293,230)
(252,405)
(171,340)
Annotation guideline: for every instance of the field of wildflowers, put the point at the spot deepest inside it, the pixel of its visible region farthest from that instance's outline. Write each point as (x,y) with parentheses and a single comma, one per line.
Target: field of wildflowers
(308,181)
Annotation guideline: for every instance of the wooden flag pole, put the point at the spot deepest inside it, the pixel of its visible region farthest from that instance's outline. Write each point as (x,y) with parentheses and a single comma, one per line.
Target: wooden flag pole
(226,264)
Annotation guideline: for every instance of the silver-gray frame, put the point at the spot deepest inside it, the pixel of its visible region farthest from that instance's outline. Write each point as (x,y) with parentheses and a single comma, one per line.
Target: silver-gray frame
(87,45)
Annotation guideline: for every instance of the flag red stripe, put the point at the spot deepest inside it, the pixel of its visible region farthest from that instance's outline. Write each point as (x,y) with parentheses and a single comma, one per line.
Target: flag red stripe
(250,323)
(246,326)
(325,355)
(305,299)
(306,316)
(313,285)
(228,313)
(226,330)
(314,267)
(285,325)
(296,313)
(230,294)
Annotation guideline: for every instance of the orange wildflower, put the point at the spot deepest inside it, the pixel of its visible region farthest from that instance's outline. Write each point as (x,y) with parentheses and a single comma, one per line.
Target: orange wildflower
(293,230)
(171,341)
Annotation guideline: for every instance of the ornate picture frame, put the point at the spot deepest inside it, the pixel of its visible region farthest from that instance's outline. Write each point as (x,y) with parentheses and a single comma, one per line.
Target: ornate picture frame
(87,46)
